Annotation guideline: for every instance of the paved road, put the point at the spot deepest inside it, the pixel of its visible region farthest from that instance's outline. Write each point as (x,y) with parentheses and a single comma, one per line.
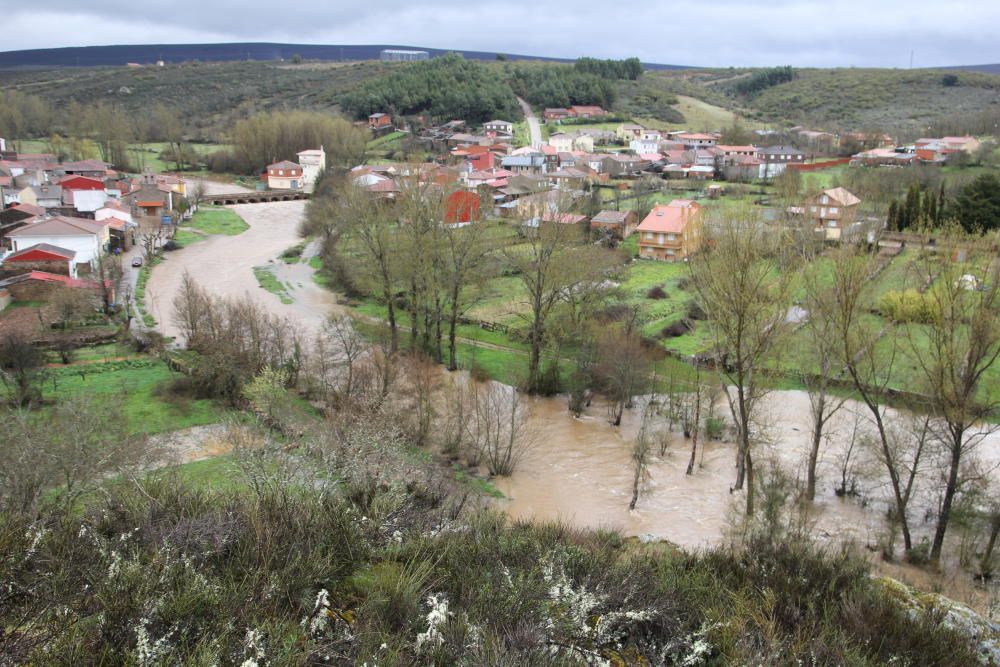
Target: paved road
(534,128)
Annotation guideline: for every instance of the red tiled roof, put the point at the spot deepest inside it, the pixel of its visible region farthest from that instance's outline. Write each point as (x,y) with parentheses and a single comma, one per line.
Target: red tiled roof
(671,218)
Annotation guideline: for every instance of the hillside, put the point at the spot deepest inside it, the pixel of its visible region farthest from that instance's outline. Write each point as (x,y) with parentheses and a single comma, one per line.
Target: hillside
(210,95)
(873,98)
(118,55)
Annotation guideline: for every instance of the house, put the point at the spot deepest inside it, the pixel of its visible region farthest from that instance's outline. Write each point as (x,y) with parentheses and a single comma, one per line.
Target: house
(741,168)
(46,196)
(617,165)
(89,168)
(556,114)
(379,121)
(671,232)
(832,210)
(525,164)
(313,162)
(83,193)
(965,144)
(730,151)
(644,146)
(147,199)
(16,216)
(378,185)
(776,158)
(585,111)
(499,127)
(462,208)
(695,140)
(120,223)
(40,286)
(618,223)
(40,257)
(566,143)
(87,238)
(878,157)
(626,132)
(284,175)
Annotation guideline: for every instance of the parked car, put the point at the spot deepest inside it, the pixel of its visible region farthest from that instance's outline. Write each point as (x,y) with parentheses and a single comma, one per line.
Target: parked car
(137,261)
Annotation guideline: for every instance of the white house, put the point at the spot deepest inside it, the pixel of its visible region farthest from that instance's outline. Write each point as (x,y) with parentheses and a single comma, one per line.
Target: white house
(87,238)
(284,175)
(644,146)
(313,162)
(498,127)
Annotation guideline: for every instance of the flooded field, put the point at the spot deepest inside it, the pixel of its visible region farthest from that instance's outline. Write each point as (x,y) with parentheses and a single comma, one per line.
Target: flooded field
(579,471)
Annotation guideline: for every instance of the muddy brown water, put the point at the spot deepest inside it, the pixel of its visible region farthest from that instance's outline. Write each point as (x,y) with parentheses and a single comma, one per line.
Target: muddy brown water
(579,471)
(223,265)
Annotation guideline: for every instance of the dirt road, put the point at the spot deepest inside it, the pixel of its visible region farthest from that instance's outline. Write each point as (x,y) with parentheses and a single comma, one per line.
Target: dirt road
(224,266)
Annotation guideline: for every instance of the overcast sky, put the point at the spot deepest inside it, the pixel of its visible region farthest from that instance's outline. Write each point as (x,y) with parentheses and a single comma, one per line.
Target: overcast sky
(689,32)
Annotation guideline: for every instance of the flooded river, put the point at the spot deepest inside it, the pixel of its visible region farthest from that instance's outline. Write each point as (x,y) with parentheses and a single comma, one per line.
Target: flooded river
(580,471)
(223,265)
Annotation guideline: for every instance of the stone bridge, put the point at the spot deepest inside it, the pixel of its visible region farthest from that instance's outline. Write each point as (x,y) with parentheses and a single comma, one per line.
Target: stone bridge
(251,197)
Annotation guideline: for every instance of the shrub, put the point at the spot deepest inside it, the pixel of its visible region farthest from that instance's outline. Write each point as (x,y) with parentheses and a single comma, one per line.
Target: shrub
(656,292)
(714,426)
(907,306)
(695,311)
(678,328)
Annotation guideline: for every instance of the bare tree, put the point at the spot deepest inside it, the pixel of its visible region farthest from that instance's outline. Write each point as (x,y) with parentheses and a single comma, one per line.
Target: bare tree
(867,352)
(623,369)
(464,256)
(640,453)
(72,448)
(338,350)
(22,370)
(954,352)
(701,394)
(819,361)
(369,222)
(500,430)
(549,265)
(745,292)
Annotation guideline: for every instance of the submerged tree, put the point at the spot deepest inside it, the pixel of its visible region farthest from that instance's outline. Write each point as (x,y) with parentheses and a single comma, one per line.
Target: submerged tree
(746,294)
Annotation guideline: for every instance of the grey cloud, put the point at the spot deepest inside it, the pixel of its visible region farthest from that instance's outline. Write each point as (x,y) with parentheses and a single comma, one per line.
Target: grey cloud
(720,33)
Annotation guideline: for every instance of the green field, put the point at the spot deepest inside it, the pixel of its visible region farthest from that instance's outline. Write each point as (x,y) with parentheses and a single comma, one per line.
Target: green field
(209,221)
(146,409)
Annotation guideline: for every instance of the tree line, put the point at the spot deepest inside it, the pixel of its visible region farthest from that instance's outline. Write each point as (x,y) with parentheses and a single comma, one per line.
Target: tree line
(630,68)
(763,79)
(562,86)
(976,207)
(447,87)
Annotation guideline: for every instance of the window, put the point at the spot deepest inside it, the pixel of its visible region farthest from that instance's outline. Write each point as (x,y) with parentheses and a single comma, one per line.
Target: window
(833,210)
(649,236)
(826,200)
(281,172)
(671,237)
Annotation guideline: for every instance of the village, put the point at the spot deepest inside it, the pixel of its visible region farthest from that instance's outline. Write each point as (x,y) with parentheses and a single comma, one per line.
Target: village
(550,311)
(70,225)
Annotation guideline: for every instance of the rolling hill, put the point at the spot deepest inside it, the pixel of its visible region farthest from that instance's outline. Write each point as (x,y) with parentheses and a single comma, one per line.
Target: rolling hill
(105,56)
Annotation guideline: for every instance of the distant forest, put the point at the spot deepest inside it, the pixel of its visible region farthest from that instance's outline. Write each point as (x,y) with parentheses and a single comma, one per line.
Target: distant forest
(452,87)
